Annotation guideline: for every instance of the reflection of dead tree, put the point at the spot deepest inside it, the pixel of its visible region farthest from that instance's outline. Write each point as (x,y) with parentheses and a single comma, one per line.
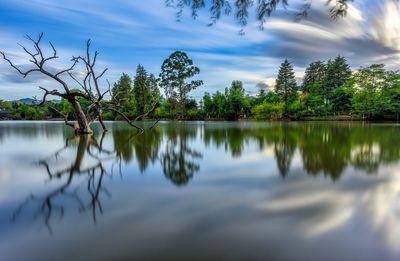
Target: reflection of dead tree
(94,174)
(90,86)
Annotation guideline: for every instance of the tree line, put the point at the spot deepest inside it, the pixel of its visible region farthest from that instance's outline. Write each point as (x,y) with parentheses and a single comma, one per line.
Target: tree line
(328,90)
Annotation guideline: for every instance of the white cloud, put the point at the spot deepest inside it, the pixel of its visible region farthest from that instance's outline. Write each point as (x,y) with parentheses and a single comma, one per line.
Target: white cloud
(146,32)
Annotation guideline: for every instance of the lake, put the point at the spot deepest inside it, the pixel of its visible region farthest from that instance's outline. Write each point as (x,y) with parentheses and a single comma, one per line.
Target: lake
(196,190)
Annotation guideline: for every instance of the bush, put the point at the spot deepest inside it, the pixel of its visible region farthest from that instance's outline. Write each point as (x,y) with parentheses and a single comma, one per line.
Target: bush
(192,114)
(266,110)
(297,108)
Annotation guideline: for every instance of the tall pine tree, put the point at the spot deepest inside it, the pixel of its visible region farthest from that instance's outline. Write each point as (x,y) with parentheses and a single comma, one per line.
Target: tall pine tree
(337,73)
(122,89)
(285,84)
(141,89)
(154,90)
(315,73)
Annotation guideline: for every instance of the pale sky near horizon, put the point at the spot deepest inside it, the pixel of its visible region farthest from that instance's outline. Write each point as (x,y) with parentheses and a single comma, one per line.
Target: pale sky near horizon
(128,32)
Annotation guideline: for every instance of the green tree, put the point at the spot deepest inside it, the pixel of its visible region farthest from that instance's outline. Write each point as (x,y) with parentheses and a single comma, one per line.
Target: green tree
(297,108)
(261,97)
(141,89)
(314,73)
(315,100)
(267,110)
(235,100)
(219,102)
(153,87)
(28,111)
(121,92)
(285,85)
(208,106)
(337,73)
(392,91)
(174,72)
(368,97)
(166,109)
(272,97)
(341,99)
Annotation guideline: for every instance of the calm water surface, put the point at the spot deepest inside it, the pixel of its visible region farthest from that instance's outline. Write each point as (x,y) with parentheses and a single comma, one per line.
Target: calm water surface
(244,190)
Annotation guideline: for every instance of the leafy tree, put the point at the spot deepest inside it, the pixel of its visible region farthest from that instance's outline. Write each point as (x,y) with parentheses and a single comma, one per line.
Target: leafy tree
(235,100)
(191,109)
(272,97)
(174,72)
(364,103)
(285,85)
(5,105)
(316,105)
(208,106)
(267,110)
(219,101)
(297,108)
(368,98)
(392,92)
(247,106)
(341,99)
(261,97)
(166,109)
(27,112)
(65,107)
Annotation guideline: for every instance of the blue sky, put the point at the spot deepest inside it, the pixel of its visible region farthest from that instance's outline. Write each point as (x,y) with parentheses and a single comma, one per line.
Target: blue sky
(128,32)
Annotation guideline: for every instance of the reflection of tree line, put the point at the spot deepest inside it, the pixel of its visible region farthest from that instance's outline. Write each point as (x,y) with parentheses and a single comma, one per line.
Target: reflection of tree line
(324,148)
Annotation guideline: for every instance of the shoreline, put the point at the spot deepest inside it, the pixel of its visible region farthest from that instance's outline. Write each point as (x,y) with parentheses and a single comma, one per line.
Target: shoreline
(305,119)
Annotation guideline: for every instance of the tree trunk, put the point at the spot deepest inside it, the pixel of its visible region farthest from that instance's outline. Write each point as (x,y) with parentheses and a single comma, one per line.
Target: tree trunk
(83,144)
(83,126)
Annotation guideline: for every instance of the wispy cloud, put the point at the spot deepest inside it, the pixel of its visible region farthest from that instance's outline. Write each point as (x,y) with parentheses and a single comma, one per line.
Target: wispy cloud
(130,32)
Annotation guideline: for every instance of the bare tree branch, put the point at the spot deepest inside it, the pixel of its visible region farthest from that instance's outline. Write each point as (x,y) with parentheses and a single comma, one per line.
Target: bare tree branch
(24,74)
(101,74)
(127,119)
(67,70)
(65,116)
(47,92)
(147,113)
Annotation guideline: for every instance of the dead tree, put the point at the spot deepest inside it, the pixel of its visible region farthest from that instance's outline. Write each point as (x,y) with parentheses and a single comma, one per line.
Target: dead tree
(90,86)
